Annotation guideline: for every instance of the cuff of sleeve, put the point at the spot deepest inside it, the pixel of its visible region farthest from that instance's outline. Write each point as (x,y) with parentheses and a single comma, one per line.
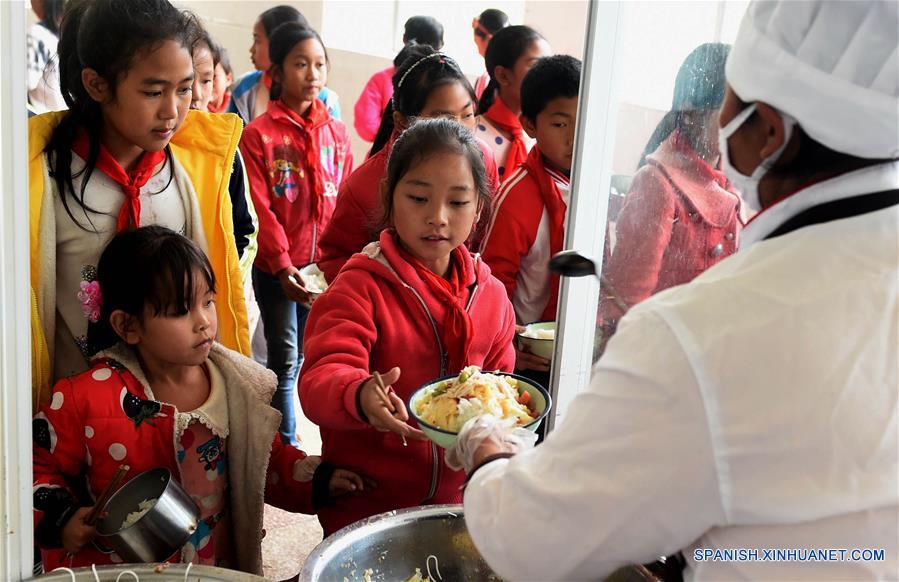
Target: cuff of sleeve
(280,263)
(351,400)
(486,460)
(321,480)
(58,509)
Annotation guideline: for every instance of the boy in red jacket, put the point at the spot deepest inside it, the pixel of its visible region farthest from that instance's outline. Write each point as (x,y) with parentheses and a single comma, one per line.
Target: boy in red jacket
(528,224)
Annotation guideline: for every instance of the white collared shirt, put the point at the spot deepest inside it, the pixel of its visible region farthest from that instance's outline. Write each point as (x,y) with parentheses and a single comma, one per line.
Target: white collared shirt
(754,408)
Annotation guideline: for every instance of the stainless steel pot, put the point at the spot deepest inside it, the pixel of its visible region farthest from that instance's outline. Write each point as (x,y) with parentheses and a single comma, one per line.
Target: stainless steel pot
(392,545)
(150,573)
(162,530)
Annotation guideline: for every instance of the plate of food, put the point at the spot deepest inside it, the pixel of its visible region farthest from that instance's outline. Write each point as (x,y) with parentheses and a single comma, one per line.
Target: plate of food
(443,406)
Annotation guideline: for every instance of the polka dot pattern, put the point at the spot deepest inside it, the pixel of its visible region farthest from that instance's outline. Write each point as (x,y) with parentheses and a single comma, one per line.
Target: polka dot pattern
(498,140)
(102,374)
(117,451)
(482,127)
(89,432)
(58,399)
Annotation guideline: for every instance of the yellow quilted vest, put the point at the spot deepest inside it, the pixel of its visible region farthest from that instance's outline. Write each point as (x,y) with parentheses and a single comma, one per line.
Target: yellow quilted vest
(205,146)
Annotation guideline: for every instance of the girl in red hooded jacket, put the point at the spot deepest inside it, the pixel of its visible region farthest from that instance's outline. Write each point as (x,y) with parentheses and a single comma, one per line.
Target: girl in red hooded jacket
(414,306)
(296,157)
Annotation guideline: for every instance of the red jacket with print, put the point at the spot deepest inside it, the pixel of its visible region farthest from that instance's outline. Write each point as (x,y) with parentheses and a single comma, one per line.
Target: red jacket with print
(376,315)
(273,151)
(100,419)
(359,210)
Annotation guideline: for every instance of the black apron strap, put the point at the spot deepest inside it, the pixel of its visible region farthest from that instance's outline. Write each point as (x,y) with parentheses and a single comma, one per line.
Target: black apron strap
(837,210)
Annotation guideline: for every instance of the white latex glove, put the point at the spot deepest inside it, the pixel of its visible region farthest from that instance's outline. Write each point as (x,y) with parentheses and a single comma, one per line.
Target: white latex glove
(501,436)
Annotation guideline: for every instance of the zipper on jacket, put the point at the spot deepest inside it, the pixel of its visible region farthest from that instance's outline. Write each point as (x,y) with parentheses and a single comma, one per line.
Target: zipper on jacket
(444,358)
(432,488)
(314,226)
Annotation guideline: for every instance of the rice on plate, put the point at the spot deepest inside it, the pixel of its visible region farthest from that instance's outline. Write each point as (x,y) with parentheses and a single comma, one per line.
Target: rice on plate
(451,403)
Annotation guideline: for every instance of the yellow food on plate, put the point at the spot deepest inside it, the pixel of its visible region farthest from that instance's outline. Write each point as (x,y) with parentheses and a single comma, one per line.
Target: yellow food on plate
(448,405)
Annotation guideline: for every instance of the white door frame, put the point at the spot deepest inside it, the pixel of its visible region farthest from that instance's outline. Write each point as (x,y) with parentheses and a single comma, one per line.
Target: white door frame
(588,209)
(578,298)
(16,553)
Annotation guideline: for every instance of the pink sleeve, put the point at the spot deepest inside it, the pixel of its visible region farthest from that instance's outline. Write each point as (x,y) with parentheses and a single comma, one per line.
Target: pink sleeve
(274,248)
(370,107)
(643,232)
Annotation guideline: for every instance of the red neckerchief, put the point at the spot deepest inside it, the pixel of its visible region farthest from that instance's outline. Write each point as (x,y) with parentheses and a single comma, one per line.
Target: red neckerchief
(131,182)
(226,99)
(267,80)
(555,208)
(503,118)
(316,116)
(457,329)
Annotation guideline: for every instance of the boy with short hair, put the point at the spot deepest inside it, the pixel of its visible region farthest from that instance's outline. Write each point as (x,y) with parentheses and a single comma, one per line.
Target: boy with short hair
(528,223)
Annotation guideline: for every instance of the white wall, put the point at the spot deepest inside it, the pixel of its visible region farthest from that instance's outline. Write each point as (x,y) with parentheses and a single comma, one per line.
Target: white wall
(363,36)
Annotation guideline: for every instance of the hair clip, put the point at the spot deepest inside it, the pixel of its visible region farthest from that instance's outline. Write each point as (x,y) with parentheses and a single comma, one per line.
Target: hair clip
(443,59)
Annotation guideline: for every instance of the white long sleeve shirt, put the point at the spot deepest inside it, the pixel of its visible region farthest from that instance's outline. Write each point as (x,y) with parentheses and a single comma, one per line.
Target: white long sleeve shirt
(753,408)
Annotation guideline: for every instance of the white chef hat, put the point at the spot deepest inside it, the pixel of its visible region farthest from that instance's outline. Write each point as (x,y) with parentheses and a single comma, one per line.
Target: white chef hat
(830,64)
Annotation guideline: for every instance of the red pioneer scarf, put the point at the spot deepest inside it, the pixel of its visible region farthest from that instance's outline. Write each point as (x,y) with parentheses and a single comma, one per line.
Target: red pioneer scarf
(555,208)
(502,117)
(453,293)
(131,182)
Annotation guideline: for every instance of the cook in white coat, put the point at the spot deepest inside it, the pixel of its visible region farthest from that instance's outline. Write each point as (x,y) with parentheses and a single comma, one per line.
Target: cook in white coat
(756,407)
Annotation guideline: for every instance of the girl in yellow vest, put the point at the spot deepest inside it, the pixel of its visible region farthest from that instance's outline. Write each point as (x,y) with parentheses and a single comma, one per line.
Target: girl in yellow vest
(128,153)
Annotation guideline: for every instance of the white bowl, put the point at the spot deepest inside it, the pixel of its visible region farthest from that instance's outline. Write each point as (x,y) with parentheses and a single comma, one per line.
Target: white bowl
(313,279)
(539,347)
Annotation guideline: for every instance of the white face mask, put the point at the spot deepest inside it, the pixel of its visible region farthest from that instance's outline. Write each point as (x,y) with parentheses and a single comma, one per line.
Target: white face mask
(748,186)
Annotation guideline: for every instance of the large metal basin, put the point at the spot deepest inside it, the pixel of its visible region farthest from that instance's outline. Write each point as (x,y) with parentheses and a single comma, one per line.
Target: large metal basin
(149,573)
(393,544)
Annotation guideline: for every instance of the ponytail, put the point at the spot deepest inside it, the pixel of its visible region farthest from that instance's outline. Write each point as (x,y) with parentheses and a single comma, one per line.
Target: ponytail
(488,96)
(504,50)
(385,130)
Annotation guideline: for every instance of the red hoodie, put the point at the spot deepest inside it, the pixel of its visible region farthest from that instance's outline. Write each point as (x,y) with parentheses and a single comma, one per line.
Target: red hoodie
(379,314)
(358,210)
(291,214)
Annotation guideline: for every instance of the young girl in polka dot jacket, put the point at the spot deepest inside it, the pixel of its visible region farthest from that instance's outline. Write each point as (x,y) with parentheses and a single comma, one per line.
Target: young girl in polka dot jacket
(167,395)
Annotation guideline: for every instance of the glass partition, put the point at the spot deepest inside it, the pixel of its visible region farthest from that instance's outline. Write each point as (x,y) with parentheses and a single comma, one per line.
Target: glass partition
(650,205)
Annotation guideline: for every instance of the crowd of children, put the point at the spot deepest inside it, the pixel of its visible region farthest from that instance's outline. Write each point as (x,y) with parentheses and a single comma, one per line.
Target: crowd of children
(149,205)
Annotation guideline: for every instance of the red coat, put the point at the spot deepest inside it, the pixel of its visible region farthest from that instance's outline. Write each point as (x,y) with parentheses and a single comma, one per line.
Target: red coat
(678,220)
(358,210)
(376,315)
(273,148)
(106,416)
